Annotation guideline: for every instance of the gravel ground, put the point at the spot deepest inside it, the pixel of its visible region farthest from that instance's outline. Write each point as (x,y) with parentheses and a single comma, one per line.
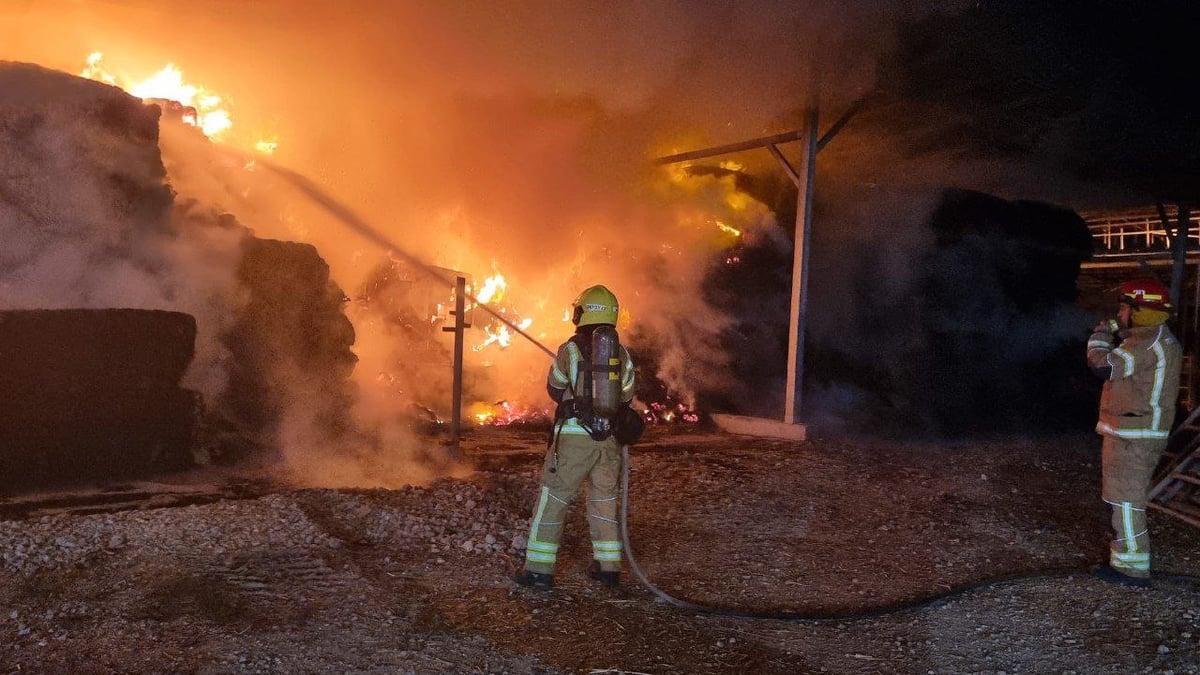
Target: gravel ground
(418,579)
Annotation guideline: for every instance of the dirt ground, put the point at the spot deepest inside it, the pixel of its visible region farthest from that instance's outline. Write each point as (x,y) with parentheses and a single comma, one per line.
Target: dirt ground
(419,579)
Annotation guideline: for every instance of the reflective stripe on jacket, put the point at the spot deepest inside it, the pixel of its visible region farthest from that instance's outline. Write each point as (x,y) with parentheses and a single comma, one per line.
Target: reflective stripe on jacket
(564,374)
(1139,396)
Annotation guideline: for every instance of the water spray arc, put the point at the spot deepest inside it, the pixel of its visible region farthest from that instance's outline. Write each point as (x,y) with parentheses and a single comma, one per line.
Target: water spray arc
(351,219)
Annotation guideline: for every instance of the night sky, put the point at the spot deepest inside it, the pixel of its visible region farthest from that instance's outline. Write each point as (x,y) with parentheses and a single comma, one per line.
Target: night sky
(1103,90)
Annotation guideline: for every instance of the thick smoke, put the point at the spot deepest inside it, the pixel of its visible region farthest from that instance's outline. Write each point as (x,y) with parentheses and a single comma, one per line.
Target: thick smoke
(514,139)
(486,138)
(85,214)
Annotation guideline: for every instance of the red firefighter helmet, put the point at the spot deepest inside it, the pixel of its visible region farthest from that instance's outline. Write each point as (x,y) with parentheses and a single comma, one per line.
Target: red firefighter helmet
(1148,293)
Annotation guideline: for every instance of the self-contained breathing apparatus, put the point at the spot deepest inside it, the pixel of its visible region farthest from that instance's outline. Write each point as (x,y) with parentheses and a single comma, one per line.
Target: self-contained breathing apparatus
(595,387)
(596,400)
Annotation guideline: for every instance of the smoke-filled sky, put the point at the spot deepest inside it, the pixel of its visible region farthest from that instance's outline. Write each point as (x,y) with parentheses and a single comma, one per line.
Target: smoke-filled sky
(513,137)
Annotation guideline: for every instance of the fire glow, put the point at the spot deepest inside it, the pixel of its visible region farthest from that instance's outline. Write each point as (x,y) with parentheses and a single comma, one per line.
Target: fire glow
(493,289)
(505,413)
(197,106)
(666,413)
(493,292)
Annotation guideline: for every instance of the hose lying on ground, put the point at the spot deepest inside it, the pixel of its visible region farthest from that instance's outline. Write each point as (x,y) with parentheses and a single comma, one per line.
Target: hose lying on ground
(838,615)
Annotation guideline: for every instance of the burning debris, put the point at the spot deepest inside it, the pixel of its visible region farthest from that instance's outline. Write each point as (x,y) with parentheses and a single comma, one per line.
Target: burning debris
(671,413)
(414,308)
(506,413)
(188,103)
(496,332)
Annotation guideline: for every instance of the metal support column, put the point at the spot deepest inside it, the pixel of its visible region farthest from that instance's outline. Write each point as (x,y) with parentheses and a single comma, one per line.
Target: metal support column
(803,177)
(806,172)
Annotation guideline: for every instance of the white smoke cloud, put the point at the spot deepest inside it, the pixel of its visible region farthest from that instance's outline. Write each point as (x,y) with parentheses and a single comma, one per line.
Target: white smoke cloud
(85,215)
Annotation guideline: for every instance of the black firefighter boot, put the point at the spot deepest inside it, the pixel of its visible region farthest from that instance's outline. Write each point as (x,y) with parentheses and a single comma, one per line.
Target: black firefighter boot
(535,580)
(1108,574)
(606,578)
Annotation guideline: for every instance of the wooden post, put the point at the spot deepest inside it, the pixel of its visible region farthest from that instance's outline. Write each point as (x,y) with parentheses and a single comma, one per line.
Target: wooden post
(460,324)
(806,171)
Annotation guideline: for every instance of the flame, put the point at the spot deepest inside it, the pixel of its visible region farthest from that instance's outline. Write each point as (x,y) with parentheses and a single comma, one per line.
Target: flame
(482,413)
(211,117)
(94,71)
(199,107)
(493,292)
(678,174)
(493,289)
(498,333)
(738,201)
(495,335)
(728,229)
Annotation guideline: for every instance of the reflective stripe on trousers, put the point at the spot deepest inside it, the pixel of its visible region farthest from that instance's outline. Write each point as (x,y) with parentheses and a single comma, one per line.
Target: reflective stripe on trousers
(1129,551)
(1128,466)
(606,551)
(579,457)
(541,551)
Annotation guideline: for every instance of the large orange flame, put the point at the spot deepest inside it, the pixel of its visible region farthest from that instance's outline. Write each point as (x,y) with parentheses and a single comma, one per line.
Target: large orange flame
(201,107)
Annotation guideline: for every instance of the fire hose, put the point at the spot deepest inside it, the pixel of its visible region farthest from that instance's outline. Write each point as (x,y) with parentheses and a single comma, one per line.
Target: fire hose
(849,615)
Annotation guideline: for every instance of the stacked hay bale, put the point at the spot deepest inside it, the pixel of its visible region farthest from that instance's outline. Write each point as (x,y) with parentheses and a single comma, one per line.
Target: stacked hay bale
(91,390)
(290,344)
(1002,335)
(93,394)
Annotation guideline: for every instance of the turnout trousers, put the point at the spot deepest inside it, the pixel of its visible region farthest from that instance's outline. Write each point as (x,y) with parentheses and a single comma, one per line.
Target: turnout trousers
(1128,467)
(579,457)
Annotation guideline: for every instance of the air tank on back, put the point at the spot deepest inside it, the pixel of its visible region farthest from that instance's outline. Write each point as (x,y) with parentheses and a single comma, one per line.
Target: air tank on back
(606,372)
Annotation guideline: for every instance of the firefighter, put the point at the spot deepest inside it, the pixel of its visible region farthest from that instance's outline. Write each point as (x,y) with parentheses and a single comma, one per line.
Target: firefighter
(591,377)
(1139,359)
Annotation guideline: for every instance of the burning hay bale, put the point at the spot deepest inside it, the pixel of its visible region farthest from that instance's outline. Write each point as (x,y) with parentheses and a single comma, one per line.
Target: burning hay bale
(51,125)
(90,223)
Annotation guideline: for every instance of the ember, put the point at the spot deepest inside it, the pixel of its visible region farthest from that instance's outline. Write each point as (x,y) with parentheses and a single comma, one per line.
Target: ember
(671,413)
(505,413)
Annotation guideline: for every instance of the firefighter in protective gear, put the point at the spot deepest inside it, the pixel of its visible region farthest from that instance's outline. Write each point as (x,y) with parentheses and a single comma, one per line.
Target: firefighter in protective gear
(1139,358)
(580,448)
